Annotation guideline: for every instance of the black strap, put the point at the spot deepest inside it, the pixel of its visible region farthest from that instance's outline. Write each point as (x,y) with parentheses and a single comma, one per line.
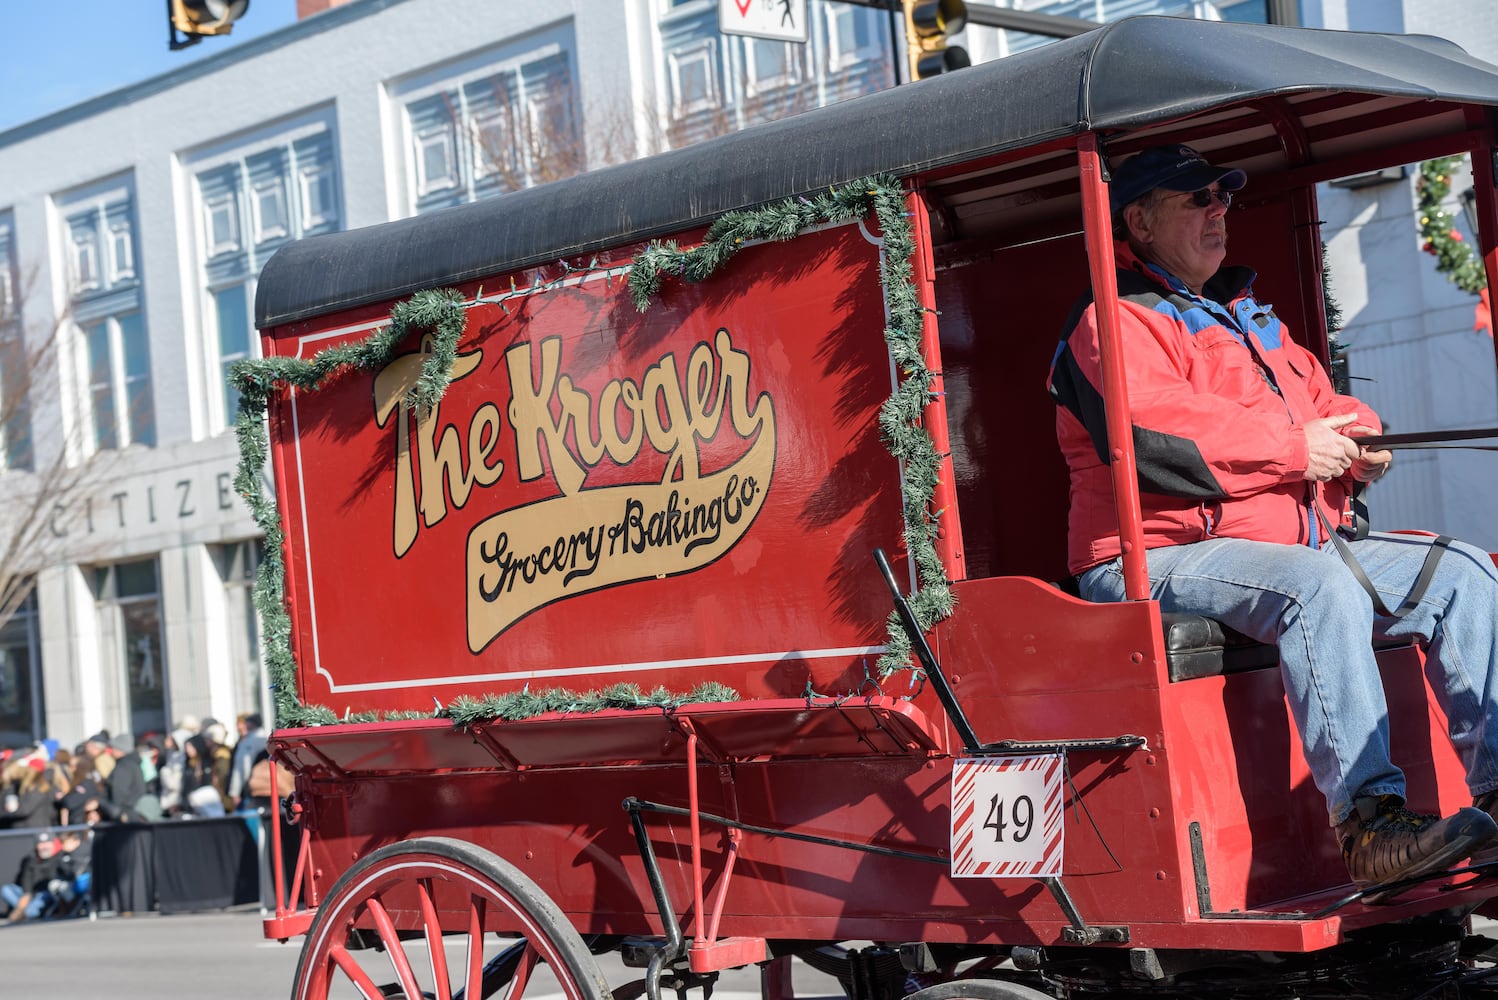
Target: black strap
(1422,579)
(1422,439)
(1355,523)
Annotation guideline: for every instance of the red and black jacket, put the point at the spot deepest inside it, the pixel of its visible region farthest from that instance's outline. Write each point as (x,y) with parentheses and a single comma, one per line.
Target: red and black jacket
(1218,396)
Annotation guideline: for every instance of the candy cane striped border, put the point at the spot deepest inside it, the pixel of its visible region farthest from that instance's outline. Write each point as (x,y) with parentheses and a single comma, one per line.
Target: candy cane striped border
(964,775)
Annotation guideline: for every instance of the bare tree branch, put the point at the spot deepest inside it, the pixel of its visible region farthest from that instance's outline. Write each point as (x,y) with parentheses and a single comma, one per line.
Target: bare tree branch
(40,484)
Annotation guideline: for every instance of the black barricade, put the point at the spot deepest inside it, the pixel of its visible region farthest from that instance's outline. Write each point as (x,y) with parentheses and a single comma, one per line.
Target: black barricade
(176,866)
(124,867)
(15,844)
(205,864)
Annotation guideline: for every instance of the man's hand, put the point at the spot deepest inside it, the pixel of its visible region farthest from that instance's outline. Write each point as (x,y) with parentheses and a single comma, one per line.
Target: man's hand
(1369,465)
(1331,452)
(18,912)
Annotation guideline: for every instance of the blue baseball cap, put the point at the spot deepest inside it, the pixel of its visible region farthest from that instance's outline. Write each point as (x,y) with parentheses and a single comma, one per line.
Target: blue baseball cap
(1175,168)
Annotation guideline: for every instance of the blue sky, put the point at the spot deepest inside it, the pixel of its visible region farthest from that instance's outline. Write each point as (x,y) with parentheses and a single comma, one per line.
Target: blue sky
(58,55)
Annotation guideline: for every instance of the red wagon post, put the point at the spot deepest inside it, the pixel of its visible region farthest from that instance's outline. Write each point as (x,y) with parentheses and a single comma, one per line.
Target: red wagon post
(586,650)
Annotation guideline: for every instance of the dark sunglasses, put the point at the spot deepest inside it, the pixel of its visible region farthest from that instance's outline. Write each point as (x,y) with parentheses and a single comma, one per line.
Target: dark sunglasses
(1202,197)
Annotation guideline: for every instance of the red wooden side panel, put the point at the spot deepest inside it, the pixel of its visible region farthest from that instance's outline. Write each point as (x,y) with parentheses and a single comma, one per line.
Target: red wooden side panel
(1224,756)
(1243,778)
(686,495)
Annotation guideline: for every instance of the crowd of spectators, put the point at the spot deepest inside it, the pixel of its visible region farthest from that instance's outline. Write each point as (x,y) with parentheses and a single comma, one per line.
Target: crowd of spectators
(196,770)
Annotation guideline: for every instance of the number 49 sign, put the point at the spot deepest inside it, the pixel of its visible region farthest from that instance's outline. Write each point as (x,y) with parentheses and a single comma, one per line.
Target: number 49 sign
(1006,817)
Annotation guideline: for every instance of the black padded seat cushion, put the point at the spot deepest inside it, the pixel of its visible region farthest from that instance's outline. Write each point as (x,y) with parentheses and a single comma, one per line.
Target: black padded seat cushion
(1197,646)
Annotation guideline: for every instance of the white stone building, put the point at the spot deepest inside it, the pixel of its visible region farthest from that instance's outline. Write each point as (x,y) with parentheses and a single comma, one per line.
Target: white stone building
(135,225)
(142,218)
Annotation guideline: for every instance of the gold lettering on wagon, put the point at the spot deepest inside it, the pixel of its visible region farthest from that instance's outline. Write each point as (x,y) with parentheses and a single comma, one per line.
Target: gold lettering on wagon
(584,539)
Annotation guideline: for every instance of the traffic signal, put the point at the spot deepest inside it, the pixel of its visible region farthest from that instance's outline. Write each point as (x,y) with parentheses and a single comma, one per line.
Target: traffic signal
(196,18)
(928,23)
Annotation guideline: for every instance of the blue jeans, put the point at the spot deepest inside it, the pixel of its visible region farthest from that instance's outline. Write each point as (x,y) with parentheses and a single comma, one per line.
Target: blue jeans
(1308,603)
(12,894)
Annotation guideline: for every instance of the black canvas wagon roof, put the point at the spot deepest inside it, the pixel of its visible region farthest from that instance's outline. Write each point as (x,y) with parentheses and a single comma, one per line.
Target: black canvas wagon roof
(1127,75)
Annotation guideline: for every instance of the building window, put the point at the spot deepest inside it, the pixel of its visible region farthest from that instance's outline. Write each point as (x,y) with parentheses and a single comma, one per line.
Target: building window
(101,231)
(85,258)
(21,704)
(129,606)
(436,149)
(121,251)
(1245,11)
(17,368)
(9,306)
(853,38)
(253,196)
(500,121)
(694,77)
(771,66)
(221,221)
(237,564)
(112,351)
(716,83)
(231,312)
(1102,11)
(268,207)
(119,382)
(319,197)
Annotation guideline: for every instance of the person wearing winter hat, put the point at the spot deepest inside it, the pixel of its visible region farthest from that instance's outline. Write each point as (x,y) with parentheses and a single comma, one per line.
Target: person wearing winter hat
(98,748)
(130,791)
(249,748)
(170,773)
(216,731)
(1246,460)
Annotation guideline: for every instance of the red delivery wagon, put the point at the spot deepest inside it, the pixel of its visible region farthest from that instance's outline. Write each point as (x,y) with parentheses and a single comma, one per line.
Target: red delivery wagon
(672,564)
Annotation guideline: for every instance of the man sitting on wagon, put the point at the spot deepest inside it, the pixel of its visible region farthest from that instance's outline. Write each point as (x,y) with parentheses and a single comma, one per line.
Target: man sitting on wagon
(1246,458)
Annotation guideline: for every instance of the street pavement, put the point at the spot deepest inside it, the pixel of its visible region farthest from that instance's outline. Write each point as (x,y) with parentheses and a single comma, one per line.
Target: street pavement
(221,955)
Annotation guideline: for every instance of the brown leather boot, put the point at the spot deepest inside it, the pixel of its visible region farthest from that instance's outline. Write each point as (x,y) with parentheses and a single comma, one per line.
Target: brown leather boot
(1488,803)
(1382,841)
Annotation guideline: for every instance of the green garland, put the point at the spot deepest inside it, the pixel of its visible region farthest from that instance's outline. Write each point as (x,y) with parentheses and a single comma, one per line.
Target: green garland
(901,416)
(440,311)
(1440,238)
(526,704)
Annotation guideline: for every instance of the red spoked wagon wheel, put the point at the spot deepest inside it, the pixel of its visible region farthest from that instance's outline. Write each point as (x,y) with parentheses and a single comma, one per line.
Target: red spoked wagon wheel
(402,897)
